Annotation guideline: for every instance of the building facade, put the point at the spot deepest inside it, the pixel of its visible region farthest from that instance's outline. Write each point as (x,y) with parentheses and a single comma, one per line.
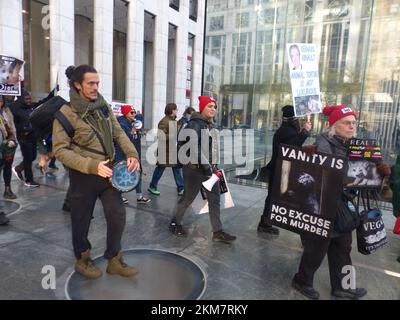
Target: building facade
(358,45)
(148,52)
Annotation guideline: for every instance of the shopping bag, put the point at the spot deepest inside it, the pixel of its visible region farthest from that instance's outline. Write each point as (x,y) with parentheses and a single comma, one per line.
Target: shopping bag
(371,234)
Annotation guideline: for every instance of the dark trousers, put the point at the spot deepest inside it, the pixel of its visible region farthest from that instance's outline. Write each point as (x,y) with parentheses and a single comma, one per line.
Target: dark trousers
(7,172)
(84,191)
(266,212)
(193,182)
(28,150)
(338,250)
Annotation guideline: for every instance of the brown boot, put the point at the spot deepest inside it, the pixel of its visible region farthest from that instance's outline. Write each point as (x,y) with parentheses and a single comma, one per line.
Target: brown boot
(117,265)
(85,266)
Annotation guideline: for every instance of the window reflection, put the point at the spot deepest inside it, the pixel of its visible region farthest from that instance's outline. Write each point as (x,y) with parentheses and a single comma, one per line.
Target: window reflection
(246,64)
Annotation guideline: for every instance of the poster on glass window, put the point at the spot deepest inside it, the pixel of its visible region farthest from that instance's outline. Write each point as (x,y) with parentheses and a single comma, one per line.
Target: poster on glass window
(304,78)
(10,75)
(306,190)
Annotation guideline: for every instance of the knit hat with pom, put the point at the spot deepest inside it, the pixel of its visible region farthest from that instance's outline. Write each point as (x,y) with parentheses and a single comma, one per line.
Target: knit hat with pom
(205,100)
(125,109)
(336,113)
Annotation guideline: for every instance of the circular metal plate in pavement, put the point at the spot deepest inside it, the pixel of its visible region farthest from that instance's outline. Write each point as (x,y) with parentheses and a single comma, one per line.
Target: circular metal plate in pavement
(162,275)
(9,207)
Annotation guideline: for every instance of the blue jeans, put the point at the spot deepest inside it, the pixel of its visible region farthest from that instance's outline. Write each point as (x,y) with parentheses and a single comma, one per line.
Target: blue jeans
(158,172)
(139,186)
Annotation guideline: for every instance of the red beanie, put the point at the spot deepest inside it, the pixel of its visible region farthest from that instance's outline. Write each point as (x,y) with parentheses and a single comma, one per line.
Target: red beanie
(205,100)
(336,113)
(125,109)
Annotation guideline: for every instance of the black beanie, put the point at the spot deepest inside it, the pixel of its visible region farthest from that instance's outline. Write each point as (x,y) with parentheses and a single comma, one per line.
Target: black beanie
(288,111)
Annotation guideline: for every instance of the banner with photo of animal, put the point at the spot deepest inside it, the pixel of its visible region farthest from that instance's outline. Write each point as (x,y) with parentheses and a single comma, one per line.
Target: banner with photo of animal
(304,78)
(363,156)
(306,190)
(10,75)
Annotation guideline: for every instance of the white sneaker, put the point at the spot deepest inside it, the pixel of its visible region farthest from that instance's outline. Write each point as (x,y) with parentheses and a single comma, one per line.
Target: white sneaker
(143,200)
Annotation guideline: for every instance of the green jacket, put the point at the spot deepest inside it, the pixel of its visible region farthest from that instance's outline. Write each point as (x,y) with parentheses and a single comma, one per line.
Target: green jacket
(395,185)
(73,152)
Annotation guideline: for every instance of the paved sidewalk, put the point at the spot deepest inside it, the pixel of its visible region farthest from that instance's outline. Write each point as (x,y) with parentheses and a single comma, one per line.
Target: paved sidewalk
(254,267)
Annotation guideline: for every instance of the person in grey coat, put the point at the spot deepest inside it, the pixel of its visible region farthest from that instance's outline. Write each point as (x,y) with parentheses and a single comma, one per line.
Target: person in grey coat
(342,125)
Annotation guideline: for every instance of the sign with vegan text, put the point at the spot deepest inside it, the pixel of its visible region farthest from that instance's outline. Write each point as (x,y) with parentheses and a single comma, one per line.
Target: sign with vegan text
(306,190)
(304,77)
(10,76)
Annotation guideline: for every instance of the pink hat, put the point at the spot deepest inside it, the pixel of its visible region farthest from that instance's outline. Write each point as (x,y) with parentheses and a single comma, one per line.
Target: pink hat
(205,100)
(336,113)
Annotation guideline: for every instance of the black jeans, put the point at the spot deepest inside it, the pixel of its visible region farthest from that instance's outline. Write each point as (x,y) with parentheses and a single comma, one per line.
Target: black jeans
(84,191)
(338,250)
(193,180)
(7,172)
(28,150)
(266,213)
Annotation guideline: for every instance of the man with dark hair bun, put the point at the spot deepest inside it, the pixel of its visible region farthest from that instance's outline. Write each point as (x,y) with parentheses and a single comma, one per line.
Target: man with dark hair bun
(88,155)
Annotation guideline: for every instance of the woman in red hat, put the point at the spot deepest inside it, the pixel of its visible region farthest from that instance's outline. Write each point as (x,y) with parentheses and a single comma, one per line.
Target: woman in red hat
(342,126)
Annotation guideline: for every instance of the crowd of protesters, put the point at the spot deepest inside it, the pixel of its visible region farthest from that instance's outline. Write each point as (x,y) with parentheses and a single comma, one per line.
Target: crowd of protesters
(88,159)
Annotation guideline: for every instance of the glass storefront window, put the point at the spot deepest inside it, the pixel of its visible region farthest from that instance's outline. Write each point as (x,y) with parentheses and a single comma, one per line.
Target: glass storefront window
(246,64)
(36,50)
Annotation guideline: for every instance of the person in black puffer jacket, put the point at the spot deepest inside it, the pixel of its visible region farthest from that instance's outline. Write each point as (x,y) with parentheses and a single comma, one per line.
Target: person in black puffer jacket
(288,133)
(200,169)
(21,110)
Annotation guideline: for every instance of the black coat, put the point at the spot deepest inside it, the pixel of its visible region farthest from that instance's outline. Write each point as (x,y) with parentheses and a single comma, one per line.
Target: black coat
(288,133)
(204,163)
(21,113)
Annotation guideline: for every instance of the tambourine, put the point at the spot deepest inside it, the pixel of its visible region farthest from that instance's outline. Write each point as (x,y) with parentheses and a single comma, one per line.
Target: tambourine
(122,179)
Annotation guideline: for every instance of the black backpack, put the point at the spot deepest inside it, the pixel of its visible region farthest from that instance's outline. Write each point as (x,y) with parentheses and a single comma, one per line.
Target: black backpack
(43,116)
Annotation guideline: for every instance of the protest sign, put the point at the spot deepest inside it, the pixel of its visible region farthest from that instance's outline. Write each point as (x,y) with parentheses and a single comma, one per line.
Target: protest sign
(304,78)
(306,191)
(363,156)
(200,203)
(116,108)
(10,77)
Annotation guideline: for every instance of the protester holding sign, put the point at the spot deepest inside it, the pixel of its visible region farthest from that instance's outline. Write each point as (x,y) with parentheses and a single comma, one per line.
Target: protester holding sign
(22,109)
(288,133)
(342,125)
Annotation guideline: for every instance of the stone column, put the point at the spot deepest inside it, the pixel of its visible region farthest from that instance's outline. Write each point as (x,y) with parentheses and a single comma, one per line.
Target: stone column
(11,29)
(182,43)
(62,43)
(103,45)
(135,59)
(160,67)
(197,68)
